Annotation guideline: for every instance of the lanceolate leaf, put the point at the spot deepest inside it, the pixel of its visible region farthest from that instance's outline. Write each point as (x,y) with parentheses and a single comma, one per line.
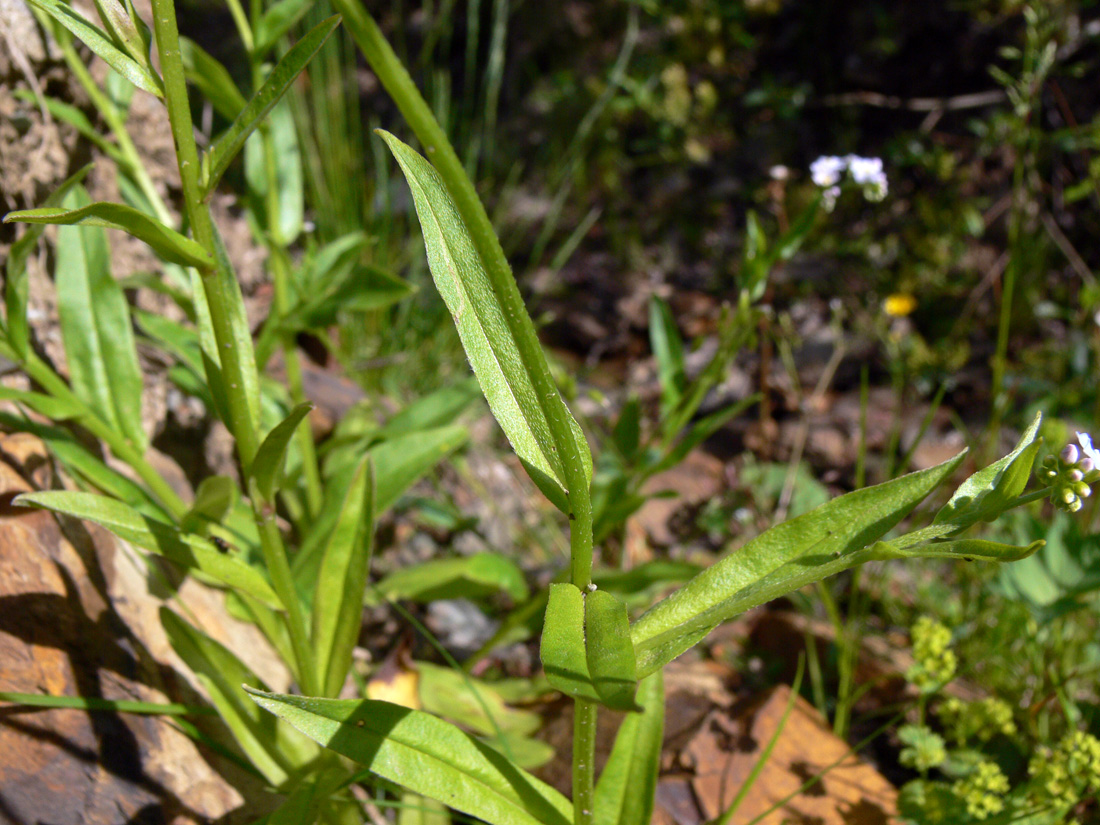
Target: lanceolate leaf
(275,22)
(342,581)
(190,552)
(485,332)
(987,493)
(966,549)
(668,350)
(124,31)
(95,328)
(225,149)
(625,792)
(56,409)
(830,538)
(469,577)
(426,755)
(214,498)
(212,79)
(268,462)
(399,463)
(270,749)
(15,270)
(169,244)
(100,42)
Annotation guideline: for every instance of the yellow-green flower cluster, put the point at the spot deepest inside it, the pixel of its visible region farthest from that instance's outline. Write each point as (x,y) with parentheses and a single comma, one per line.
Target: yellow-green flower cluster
(1070,770)
(983,790)
(924,749)
(934,662)
(981,720)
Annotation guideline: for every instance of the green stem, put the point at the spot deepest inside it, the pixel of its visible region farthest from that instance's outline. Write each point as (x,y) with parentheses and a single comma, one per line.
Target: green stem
(584,758)
(236,356)
(393,76)
(45,377)
(218,280)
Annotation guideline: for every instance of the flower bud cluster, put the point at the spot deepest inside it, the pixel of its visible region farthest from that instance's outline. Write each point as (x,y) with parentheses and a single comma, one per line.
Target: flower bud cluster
(1071,473)
(867,173)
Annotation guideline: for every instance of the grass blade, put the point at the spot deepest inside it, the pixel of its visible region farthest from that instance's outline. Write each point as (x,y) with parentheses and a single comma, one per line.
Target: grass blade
(91,703)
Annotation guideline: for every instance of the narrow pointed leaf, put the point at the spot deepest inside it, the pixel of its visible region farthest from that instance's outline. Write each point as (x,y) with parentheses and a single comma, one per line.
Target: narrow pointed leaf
(212,79)
(95,328)
(168,243)
(124,31)
(961,549)
(289,196)
(342,581)
(56,409)
(398,463)
(828,539)
(987,493)
(274,23)
(222,674)
(268,463)
(609,651)
(215,497)
(563,653)
(225,149)
(89,470)
(470,577)
(668,350)
(190,552)
(628,783)
(425,755)
(486,336)
(15,270)
(100,43)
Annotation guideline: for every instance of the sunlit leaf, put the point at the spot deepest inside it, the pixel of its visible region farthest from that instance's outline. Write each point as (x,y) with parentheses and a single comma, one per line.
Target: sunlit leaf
(426,755)
(169,244)
(188,551)
(223,151)
(463,281)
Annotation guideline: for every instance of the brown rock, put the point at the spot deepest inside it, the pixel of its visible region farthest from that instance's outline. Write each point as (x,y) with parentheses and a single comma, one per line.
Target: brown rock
(77,619)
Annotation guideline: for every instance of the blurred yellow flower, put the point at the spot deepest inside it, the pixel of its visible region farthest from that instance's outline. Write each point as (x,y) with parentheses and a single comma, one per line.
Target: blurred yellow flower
(899,304)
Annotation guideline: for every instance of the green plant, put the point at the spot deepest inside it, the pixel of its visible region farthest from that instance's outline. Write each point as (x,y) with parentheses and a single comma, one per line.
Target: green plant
(984,768)
(308,602)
